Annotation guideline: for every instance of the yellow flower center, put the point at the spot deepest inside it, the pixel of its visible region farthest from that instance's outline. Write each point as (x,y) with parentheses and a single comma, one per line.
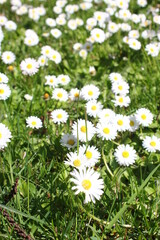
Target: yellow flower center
(1,91)
(47,51)
(29,66)
(77,163)
(63,79)
(59,116)
(90,93)
(153,143)
(143,116)
(88,154)
(71,142)
(42,60)
(152,50)
(125,154)
(99,17)
(97,35)
(121,99)
(0,135)
(59,95)
(0,79)
(34,123)
(131,123)
(83,129)
(93,107)
(86,184)
(76,95)
(120,122)
(54,56)
(8,57)
(120,87)
(106,130)
(115,78)
(106,115)
(51,80)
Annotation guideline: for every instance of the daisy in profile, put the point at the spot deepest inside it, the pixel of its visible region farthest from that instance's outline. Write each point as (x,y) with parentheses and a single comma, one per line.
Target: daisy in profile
(55,56)
(51,80)
(3,78)
(5,91)
(68,140)
(133,124)
(125,155)
(88,182)
(93,108)
(60,94)
(115,77)
(29,66)
(85,130)
(59,116)
(122,101)
(98,35)
(8,57)
(144,117)
(74,94)
(151,144)
(63,79)
(90,92)
(5,136)
(92,155)
(76,160)
(106,115)
(34,122)
(121,122)
(106,131)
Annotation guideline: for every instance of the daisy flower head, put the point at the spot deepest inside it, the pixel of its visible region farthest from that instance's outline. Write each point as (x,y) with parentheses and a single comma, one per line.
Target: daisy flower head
(3,20)
(8,57)
(98,35)
(144,117)
(34,122)
(92,155)
(3,78)
(10,25)
(133,124)
(59,116)
(46,51)
(83,53)
(63,79)
(134,44)
(55,56)
(42,60)
(107,115)
(51,80)
(5,136)
(60,94)
(122,101)
(152,49)
(92,70)
(50,22)
(106,131)
(56,33)
(90,92)
(76,160)
(74,94)
(125,155)
(120,87)
(151,144)
(5,91)
(121,122)
(86,130)
(88,182)
(142,3)
(68,140)
(77,46)
(29,66)
(28,97)
(115,77)
(113,27)
(93,108)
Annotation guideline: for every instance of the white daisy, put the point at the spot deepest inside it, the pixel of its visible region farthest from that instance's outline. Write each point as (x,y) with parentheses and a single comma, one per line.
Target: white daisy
(42,60)
(76,160)
(93,108)
(83,53)
(10,25)
(5,91)
(46,51)
(120,87)
(107,115)
(51,80)
(121,122)
(29,66)
(125,155)
(3,78)
(152,49)
(56,33)
(89,182)
(115,77)
(91,153)
(55,56)
(86,130)
(144,117)
(90,92)
(151,144)
(98,35)
(122,101)
(74,94)
(106,131)
(133,124)
(8,57)
(34,122)
(5,136)
(59,116)
(134,44)
(68,140)
(63,79)
(50,22)
(60,94)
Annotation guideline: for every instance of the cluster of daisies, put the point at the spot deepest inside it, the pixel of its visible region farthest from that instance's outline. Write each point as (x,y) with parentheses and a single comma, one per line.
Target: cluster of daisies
(5,91)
